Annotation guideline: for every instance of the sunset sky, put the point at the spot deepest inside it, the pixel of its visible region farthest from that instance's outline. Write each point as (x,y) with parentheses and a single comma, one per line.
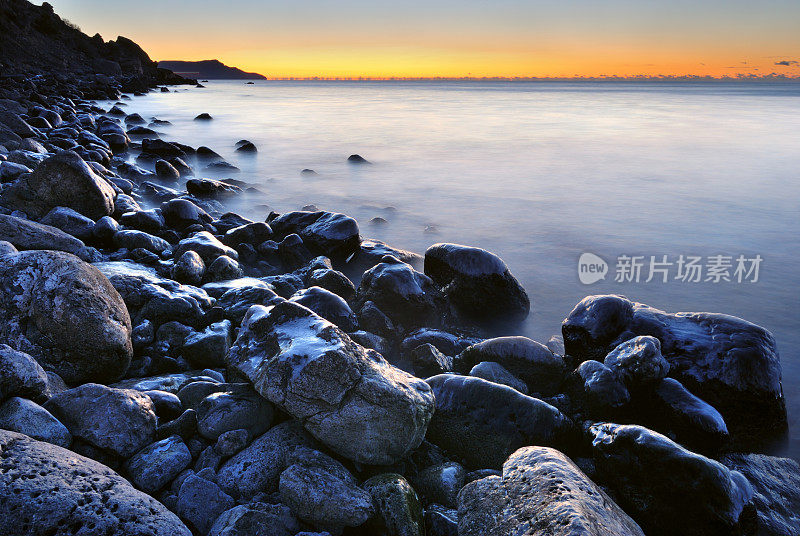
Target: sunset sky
(380,38)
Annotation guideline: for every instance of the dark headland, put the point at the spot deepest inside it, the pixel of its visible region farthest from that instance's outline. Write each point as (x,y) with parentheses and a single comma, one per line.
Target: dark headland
(169,367)
(209,69)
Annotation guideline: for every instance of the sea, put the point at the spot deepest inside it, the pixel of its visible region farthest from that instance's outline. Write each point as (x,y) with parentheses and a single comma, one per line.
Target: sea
(681,195)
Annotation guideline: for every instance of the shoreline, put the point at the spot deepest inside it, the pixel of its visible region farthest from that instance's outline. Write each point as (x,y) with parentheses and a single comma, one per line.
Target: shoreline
(248,339)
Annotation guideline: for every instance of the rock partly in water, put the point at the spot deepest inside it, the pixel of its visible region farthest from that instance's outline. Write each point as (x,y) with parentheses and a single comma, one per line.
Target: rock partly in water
(481,423)
(70,493)
(477,282)
(668,489)
(65,314)
(728,362)
(541,493)
(349,398)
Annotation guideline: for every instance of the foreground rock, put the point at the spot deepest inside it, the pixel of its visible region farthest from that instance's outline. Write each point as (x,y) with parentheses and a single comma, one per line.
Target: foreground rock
(71,492)
(349,398)
(540,493)
(62,180)
(728,362)
(65,314)
(476,282)
(668,489)
(26,234)
(482,423)
(120,421)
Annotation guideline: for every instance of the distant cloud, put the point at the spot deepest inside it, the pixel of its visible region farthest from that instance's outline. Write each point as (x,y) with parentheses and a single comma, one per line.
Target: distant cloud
(786,63)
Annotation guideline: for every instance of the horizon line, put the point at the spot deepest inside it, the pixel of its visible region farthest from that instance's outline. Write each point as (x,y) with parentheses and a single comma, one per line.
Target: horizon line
(603,78)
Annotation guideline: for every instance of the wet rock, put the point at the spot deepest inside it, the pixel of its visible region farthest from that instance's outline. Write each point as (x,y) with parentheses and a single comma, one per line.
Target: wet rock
(194,392)
(158,464)
(209,188)
(327,305)
(476,282)
(541,493)
(250,233)
(668,489)
(495,372)
(205,245)
(397,508)
(148,296)
(71,222)
(349,398)
(440,483)
(166,405)
(208,347)
(62,180)
(236,301)
(139,239)
(224,268)
(253,518)
(203,117)
(406,296)
(150,221)
(21,375)
(448,343)
(334,281)
(326,233)
(357,159)
(321,492)
(533,363)
(184,426)
(239,407)
(65,314)
(189,268)
(481,423)
(638,361)
(247,147)
(728,362)
(10,171)
(776,486)
(257,468)
(372,252)
(162,148)
(200,502)
(427,360)
(441,521)
(600,391)
(29,418)
(121,421)
(72,491)
(182,213)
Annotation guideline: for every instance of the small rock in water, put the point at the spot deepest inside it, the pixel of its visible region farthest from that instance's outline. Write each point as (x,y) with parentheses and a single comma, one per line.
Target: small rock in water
(205,116)
(357,159)
(247,147)
(308,172)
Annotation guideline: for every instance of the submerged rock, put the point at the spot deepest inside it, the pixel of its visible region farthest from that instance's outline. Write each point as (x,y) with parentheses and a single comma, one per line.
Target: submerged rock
(476,282)
(72,491)
(65,314)
(482,423)
(668,489)
(729,362)
(349,398)
(62,180)
(541,493)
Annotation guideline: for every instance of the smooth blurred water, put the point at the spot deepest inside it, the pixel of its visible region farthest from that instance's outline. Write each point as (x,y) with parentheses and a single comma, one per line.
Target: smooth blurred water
(538,173)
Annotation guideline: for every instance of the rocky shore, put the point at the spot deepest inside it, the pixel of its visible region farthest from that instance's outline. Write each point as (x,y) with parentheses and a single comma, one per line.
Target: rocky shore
(169,367)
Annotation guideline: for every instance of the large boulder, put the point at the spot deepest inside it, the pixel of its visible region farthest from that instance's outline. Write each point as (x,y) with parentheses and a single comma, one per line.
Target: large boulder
(349,398)
(668,489)
(540,493)
(776,486)
(477,282)
(66,314)
(532,362)
(120,421)
(728,362)
(72,495)
(326,233)
(482,423)
(62,180)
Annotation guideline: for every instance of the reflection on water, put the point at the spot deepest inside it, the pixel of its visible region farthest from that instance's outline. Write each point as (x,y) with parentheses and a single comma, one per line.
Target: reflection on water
(538,173)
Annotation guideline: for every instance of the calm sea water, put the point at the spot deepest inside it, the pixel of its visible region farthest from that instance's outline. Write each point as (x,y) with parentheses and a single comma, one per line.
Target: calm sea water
(539,173)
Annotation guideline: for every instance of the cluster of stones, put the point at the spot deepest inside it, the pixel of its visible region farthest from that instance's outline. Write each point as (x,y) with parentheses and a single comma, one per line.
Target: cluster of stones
(168,367)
